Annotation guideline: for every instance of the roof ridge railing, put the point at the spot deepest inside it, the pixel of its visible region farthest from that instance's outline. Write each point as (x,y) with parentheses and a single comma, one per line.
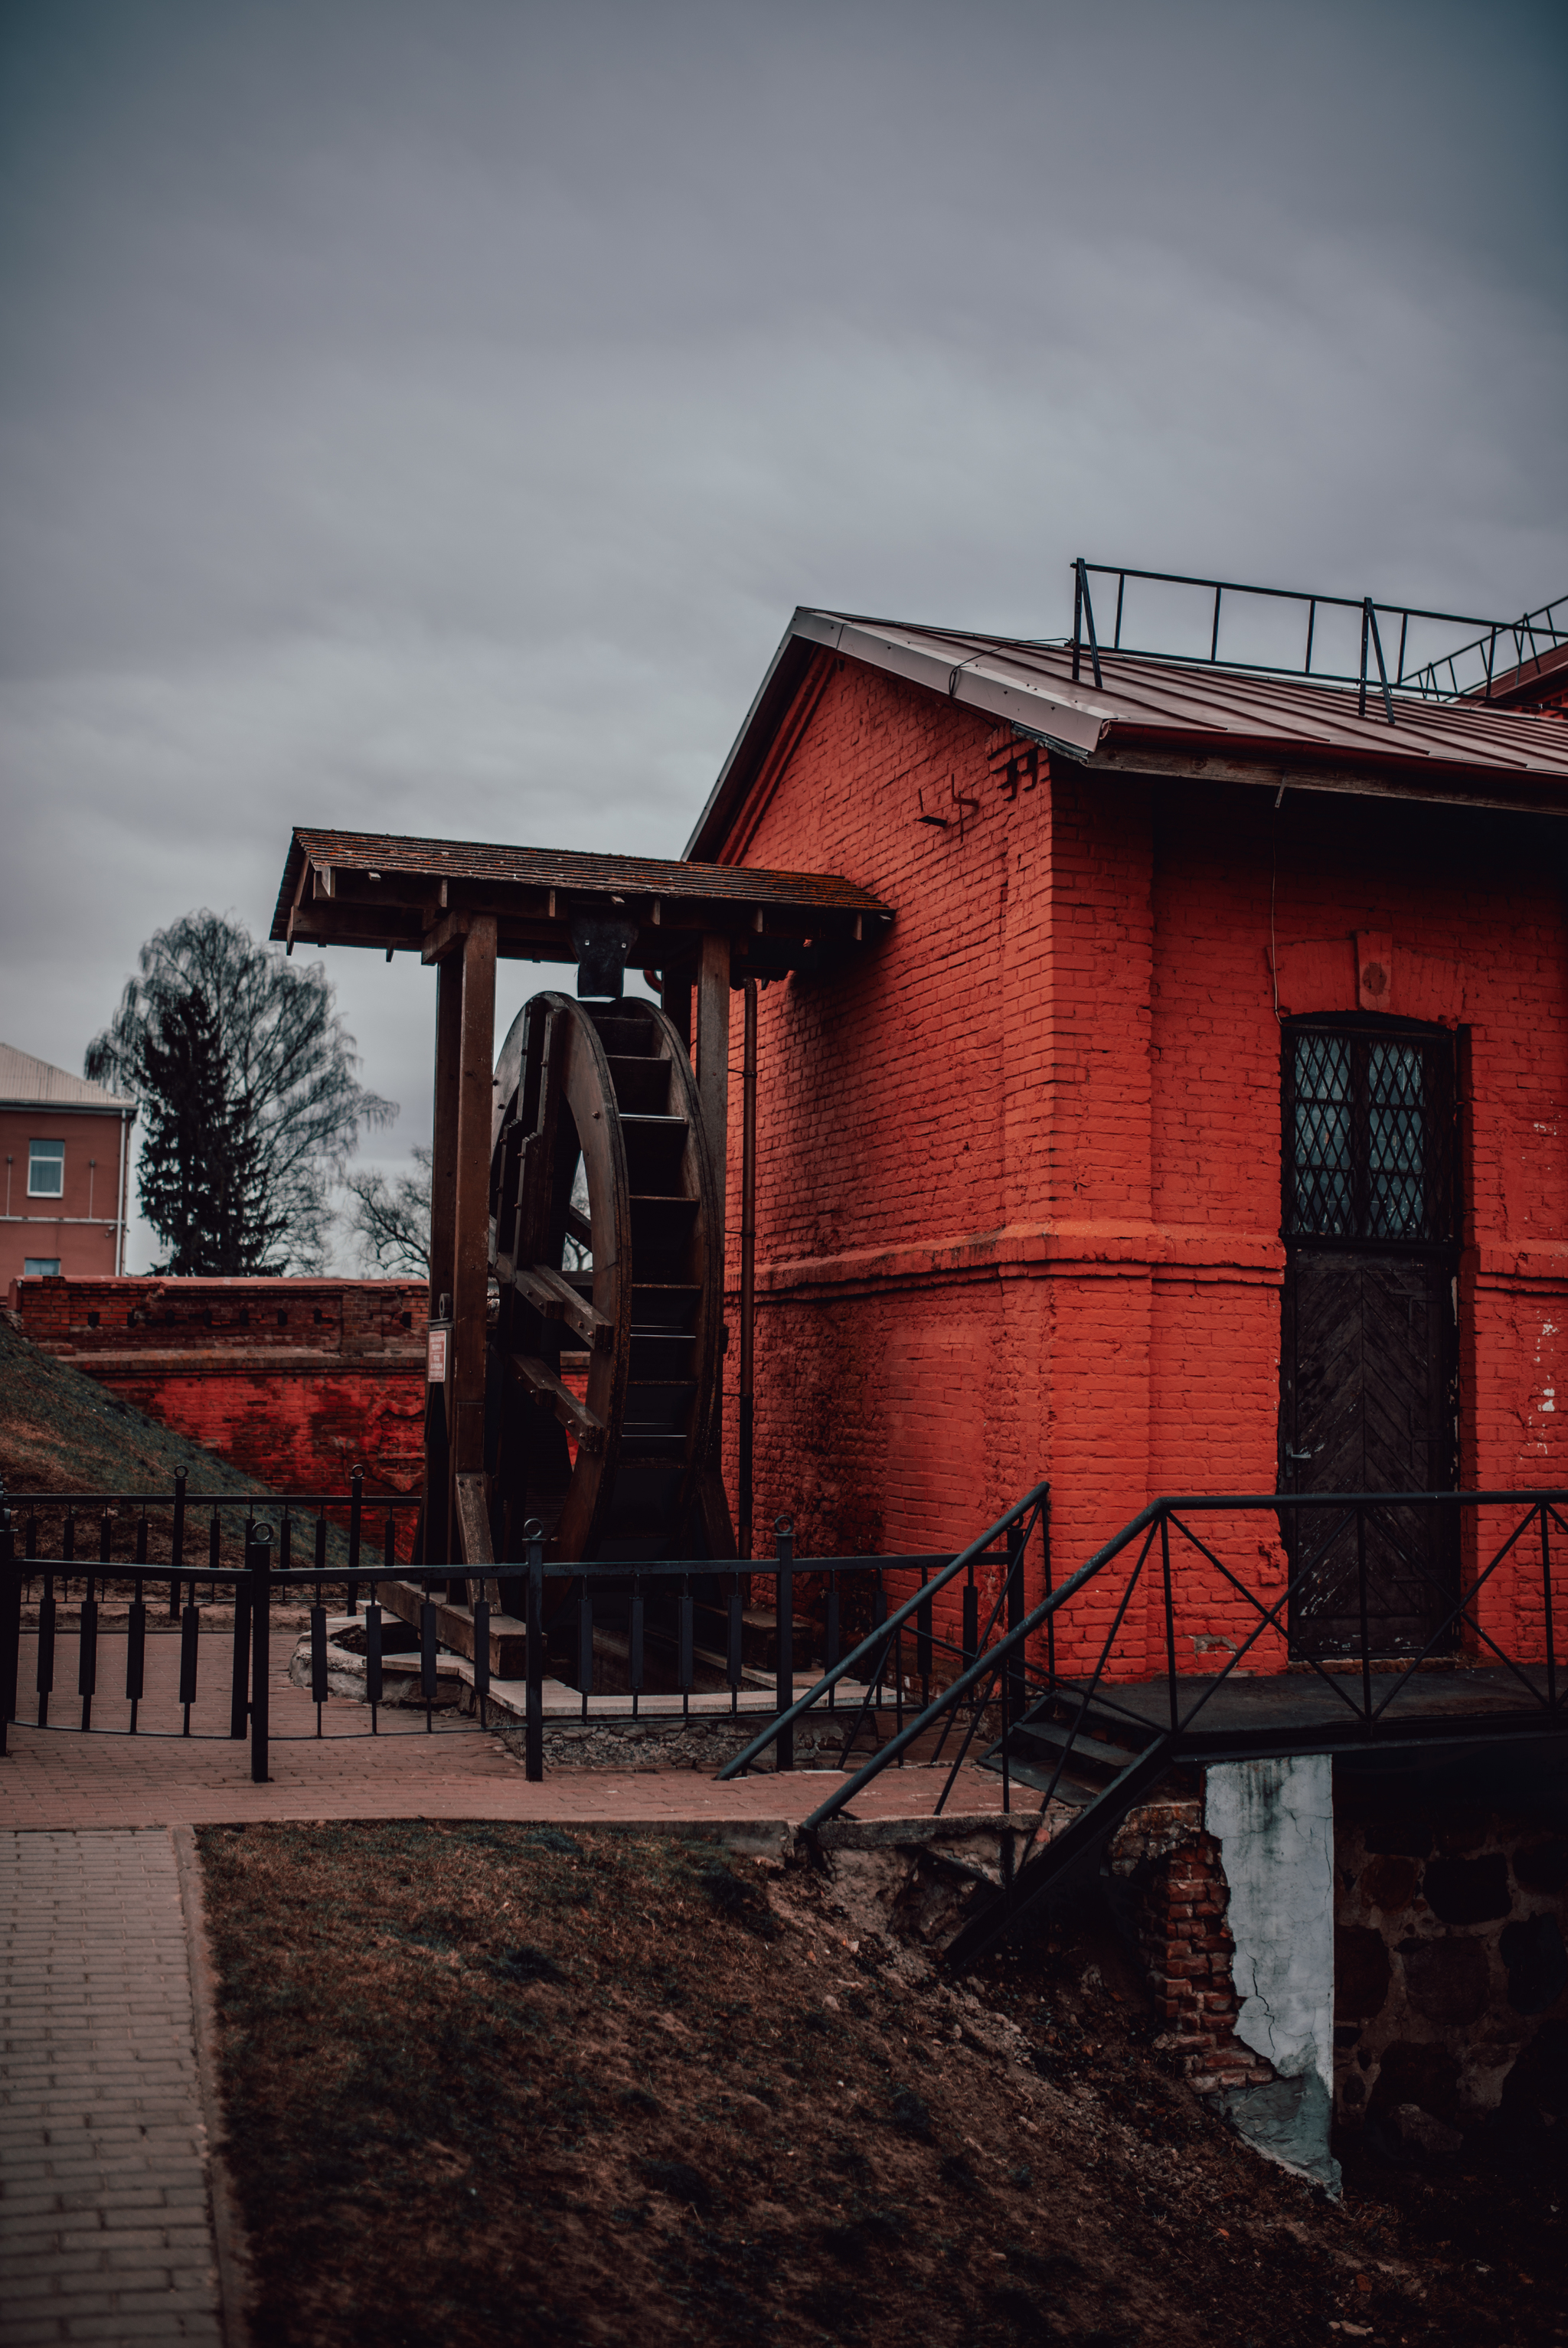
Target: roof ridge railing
(1525,632)
(1423,682)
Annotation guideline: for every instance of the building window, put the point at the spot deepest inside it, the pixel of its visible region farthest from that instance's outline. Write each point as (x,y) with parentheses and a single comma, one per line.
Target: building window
(41,1267)
(45,1170)
(1370,1138)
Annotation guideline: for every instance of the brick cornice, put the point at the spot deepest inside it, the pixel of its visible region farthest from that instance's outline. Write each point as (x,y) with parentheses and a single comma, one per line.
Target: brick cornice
(1022,1250)
(214,1362)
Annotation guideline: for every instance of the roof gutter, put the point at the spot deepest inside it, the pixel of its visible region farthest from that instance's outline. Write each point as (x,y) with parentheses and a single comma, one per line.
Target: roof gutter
(1063,718)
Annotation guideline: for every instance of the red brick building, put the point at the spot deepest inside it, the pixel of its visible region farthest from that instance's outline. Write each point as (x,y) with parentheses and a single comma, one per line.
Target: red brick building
(1198,1127)
(295,1381)
(67,1150)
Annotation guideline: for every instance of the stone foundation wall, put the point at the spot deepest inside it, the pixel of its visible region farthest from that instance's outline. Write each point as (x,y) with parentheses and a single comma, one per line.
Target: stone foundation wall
(1450,1971)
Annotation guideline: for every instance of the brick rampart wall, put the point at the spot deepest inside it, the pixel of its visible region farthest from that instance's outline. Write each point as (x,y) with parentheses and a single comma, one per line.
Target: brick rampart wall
(295,1381)
(1018,1182)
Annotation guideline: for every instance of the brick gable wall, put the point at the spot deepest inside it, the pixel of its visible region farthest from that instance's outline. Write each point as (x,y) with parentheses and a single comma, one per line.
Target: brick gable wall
(1019,1188)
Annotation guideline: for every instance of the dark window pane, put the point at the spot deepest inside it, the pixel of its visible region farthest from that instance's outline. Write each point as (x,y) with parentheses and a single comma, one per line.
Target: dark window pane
(1396,1143)
(1325,1202)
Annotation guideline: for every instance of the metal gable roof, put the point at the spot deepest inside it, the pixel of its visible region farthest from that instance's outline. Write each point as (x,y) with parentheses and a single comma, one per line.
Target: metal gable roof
(1168,716)
(28,1083)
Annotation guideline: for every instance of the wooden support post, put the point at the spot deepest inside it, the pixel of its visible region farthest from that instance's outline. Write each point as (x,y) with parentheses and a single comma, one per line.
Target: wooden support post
(748,1267)
(443,1226)
(444,1151)
(713,1061)
(711,1020)
(471,1237)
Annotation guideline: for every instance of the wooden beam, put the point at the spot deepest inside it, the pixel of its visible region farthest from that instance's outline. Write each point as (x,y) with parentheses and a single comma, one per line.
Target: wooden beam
(711,1010)
(443,1228)
(445,937)
(713,1058)
(473,1523)
(545,1388)
(553,1297)
(470,1239)
(540,1111)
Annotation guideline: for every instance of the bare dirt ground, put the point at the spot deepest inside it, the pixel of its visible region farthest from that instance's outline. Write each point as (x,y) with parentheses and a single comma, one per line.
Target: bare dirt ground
(498,2084)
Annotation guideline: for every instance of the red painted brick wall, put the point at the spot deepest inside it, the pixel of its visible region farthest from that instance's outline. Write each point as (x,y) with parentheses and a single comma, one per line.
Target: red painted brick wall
(295,1381)
(1019,1188)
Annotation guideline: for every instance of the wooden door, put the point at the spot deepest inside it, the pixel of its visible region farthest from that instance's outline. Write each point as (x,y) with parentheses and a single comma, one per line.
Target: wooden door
(1368,1361)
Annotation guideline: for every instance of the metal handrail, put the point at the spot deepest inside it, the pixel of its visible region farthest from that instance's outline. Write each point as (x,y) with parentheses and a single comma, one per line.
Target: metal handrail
(1156,1519)
(1030,1508)
(1525,630)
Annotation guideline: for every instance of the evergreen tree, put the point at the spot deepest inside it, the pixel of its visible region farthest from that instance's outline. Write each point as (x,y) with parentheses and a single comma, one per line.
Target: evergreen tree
(244,1075)
(199,1180)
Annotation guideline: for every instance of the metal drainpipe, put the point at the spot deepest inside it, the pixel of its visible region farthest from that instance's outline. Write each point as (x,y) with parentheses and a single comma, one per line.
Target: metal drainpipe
(748,1262)
(125,1117)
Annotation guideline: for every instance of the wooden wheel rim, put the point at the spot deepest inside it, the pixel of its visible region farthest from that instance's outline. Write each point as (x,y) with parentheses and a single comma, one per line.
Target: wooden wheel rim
(555,1065)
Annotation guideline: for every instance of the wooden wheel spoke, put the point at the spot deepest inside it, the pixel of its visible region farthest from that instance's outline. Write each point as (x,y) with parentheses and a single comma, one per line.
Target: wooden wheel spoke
(553,1296)
(542,1381)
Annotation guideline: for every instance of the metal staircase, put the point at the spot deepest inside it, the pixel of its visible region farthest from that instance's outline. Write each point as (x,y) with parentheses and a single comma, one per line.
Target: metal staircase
(1086,1728)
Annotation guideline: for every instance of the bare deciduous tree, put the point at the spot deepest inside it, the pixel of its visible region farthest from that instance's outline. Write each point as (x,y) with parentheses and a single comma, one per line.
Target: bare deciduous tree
(391,1219)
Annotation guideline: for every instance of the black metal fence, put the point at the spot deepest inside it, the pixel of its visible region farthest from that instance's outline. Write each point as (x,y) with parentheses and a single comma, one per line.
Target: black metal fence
(674,1623)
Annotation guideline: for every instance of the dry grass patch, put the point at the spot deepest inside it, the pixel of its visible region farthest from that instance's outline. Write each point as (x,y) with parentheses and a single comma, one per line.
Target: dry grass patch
(502,2083)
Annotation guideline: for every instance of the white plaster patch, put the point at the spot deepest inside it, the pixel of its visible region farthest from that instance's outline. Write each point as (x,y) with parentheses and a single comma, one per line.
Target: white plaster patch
(1273,1821)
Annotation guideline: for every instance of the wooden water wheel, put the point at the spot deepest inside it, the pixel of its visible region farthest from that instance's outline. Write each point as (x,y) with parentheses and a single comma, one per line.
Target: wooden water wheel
(601,1099)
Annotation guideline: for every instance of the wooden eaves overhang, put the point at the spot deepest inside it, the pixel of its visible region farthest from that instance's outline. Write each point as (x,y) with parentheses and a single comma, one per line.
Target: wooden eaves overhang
(415,896)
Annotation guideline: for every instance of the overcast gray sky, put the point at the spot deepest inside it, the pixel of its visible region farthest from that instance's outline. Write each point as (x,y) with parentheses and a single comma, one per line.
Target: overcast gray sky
(425,417)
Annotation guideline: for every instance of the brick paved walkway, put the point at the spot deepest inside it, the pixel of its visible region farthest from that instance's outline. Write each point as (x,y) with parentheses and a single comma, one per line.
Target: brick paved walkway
(105,2222)
(59,1778)
(105,2214)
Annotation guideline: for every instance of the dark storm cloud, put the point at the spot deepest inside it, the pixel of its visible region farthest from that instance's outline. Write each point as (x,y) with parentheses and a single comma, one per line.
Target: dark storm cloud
(427,417)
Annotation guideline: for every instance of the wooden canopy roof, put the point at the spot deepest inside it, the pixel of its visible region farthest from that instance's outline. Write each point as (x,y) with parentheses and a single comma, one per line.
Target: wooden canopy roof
(404,896)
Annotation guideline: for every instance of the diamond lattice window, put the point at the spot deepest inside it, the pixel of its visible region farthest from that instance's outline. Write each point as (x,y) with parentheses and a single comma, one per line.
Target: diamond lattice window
(1369,1136)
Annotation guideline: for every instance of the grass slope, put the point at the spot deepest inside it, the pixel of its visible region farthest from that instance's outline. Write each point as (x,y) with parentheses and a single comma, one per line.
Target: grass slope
(61,1431)
(495,2083)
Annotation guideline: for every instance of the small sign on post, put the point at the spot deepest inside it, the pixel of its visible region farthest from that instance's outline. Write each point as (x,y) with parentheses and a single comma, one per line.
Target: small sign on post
(436,1356)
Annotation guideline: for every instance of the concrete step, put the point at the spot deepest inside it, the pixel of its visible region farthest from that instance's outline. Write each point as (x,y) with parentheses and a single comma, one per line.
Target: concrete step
(455,1628)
